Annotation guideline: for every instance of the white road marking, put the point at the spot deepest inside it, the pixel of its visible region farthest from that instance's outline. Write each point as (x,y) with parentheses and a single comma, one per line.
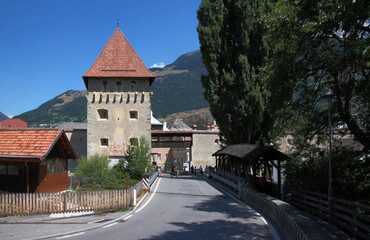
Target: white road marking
(109,225)
(71,235)
(128,217)
(155,190)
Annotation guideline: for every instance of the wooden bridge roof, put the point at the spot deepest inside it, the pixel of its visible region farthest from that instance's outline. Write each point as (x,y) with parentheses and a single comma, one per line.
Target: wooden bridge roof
(250,152)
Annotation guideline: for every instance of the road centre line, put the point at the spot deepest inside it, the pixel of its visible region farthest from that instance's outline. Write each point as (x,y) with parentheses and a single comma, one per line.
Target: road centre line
(109,225)
(71,235)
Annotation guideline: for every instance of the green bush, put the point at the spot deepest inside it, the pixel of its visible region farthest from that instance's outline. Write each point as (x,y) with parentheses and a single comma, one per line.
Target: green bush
(95,173)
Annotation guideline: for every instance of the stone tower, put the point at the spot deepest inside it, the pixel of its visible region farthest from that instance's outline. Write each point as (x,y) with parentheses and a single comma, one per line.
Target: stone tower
(118,99)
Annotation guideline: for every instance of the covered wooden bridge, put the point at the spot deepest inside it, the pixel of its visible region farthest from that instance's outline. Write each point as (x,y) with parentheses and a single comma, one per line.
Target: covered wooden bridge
(247,163)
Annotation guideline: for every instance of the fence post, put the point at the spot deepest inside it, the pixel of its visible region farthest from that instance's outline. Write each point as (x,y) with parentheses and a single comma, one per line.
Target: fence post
(135,195)
(64,202)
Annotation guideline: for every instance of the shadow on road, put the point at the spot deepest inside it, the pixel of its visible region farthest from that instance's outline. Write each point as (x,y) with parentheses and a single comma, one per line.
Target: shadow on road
(218,229)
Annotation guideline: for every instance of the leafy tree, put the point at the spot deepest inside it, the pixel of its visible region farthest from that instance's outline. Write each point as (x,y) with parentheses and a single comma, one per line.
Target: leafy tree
(95,172)
(136,162)
(233,51)
(321,45)
(351,174)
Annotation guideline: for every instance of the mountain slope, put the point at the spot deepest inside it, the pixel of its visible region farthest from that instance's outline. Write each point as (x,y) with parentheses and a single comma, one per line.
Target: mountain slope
(69,106)
(177,88)
(3,117)
(200,117)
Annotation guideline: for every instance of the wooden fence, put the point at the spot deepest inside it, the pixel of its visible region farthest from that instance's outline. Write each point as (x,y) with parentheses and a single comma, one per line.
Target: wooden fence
(351,218)
(14,204)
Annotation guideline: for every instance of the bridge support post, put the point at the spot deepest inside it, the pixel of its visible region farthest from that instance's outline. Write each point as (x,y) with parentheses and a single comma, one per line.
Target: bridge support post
(240,188)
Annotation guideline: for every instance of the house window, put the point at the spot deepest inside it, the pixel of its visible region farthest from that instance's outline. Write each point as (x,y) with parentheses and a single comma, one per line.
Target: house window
(104,142)
(159,157)
(63,165)
(56,166)
(50,166)
(103,114)
(2,169)
(12,170)
(133,115)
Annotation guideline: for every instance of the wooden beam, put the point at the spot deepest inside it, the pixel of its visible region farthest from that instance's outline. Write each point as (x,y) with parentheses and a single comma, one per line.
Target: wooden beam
(28,178)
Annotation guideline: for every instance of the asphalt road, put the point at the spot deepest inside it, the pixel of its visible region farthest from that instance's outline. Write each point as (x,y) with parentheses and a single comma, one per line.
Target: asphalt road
(176,208)
(186,208)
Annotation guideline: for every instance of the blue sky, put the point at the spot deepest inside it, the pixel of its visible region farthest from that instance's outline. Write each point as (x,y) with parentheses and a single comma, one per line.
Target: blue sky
(47,45)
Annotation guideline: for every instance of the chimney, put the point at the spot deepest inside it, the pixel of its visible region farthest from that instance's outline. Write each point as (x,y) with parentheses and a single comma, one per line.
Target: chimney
(194,127)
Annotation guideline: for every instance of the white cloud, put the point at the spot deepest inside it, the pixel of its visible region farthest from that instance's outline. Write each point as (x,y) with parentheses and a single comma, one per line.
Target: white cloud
(158,65)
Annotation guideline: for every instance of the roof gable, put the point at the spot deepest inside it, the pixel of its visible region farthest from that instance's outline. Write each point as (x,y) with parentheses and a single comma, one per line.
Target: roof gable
(118,59)
(32,143)
(179,125)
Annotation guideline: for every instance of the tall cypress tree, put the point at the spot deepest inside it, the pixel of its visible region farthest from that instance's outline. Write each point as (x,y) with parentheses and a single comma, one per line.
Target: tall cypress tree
(231,38)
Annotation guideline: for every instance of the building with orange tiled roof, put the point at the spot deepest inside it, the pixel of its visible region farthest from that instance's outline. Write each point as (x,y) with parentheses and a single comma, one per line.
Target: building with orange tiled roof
(13,123)
(118,99)
(34,160)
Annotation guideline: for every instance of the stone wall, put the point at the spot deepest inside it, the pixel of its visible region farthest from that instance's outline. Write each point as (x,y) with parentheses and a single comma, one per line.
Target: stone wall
(204,145)
(116,114)
(291,223)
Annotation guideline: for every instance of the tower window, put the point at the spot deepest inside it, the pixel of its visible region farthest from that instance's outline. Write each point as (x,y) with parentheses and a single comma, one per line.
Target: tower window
(118,83)
(133,83)
(103,114)
(105,85)
(133,115)
(104,142)
(134,141)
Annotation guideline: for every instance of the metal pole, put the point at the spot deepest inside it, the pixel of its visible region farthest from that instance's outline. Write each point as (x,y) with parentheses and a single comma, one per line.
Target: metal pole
(330,190)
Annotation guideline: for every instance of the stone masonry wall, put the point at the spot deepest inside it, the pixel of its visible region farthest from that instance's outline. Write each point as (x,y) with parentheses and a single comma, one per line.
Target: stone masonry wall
(204,145)
(114,117)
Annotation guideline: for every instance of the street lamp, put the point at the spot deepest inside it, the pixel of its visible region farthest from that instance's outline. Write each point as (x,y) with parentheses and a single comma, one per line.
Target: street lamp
(329,95)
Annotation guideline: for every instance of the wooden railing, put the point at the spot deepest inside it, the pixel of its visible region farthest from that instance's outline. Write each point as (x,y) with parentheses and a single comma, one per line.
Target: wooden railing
(14,204)
(351,218)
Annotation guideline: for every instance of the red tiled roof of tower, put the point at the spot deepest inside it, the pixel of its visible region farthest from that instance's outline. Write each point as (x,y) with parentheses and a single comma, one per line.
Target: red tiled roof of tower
(119,59)
(28,142)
